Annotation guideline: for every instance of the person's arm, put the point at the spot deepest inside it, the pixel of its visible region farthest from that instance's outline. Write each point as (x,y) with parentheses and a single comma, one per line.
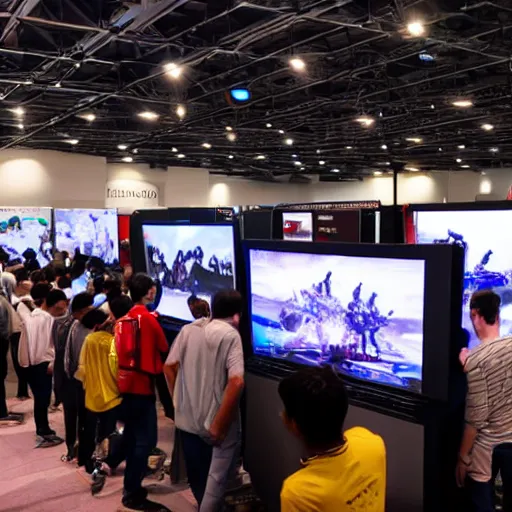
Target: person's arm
(67,352)
(161,340)
(172,363)
(290,502)
(230,400)
(112,359)
(82,364)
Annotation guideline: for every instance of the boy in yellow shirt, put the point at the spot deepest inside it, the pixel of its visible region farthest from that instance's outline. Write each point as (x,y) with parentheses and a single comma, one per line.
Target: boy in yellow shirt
(344,471)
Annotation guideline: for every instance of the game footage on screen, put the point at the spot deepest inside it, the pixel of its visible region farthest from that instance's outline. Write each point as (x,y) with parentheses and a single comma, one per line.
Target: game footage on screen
(189,260)
(488,261)
(298,226)
(23,229)
(364,315)
(92,232)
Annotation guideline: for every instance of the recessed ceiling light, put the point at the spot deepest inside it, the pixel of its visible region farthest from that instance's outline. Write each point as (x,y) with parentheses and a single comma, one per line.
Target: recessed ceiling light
(297,64)
(487,127)
(458,160)
(122,147)
(294,156)
(127,159)
(174,150)
(288,142)
(231,136)
(281,132)
(302,168)
(147,115)
(260,157)
(322,162)
(297,162)
(173,70)
(461,146)
(377,173)
(181,155)
(411,169)
(269,125)
(77,65)
(416,28)
(440,149)
(20,126)
(416,140)
(181,111)
(365,121)
(426,57)
(335,170)
(384,147)
(58,85)
(494,150)
(19,111)
(317,151)
(73,142)
(465,166)
(462,103)
(229,129)
(483,173)
(349,147)
(135,151)
(206,145)
(231,157)
(89,117)
(28,82)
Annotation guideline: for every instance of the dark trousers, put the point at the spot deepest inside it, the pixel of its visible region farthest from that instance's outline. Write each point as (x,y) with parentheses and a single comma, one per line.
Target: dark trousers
(74,413)
(164,396)
(21,372)
(198,459)
(4,350)
(40,382)
(98,427)
(140,437)
(482,494)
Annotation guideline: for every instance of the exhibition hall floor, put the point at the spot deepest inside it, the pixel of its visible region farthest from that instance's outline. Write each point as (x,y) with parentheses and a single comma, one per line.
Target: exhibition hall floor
(35,480)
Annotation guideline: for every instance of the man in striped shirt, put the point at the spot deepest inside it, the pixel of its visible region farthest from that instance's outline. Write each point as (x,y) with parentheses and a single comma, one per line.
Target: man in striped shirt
(486,446)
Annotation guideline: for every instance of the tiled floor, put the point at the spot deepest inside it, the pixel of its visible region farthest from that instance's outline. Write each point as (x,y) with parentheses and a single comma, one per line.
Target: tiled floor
(35,480)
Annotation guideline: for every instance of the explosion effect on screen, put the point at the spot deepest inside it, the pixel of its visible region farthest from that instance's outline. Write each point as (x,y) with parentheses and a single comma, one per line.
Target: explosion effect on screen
(364,315)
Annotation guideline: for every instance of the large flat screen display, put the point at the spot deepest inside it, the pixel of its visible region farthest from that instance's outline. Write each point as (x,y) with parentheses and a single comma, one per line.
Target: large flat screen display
(189,260)
(92,232)
(26,228)
(362,314)
(488,262)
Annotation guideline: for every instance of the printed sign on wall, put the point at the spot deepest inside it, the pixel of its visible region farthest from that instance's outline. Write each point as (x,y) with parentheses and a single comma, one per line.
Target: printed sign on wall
(130,195)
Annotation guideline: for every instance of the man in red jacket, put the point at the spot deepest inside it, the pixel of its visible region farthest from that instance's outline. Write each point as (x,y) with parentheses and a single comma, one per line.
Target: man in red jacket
(139,406)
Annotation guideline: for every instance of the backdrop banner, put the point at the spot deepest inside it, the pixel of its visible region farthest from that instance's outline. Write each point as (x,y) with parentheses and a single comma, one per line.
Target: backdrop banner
(130,195)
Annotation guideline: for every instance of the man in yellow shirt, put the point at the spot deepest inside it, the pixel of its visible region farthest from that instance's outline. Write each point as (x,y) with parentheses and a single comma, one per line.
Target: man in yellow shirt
(344,471)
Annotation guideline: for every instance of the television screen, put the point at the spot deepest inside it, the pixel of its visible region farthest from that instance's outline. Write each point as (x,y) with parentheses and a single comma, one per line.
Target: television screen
(298,226)
(488,263)
(93,232)
(26,228)
(189,260)
(365,315)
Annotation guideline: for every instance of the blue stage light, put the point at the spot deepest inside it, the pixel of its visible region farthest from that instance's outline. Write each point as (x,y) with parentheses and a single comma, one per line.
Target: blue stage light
(240,95)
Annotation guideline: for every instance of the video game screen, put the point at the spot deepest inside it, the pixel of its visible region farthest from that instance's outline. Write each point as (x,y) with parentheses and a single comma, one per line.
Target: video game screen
(189,260)
(298,226)
(26,228)
(93,232)
(363,315)
(488,261)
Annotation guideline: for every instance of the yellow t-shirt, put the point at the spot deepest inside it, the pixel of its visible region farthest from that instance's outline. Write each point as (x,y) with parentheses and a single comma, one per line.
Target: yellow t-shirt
(348,479)
(97,370)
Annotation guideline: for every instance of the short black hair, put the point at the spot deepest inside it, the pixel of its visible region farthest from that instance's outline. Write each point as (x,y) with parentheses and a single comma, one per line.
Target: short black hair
(37,276)
(317,401)
(192,299)
(4,255)
(49,273)
(39,292)
(120,306)
(77,268)
(140,284)
(63,282)
(487,304)
(21,275)
(55,296)
(81,301)
(227,304)
(93,318)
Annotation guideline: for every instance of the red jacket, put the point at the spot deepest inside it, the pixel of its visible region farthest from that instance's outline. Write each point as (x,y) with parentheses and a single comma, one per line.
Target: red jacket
(153,343)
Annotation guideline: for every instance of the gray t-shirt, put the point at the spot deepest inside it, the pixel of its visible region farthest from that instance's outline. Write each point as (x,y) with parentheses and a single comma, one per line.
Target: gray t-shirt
(209,352)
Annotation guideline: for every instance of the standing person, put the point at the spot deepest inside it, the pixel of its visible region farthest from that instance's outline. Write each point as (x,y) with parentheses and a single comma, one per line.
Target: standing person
(139,400)
(205,373)
(345,470)
(80,305)
(486,446)
(37,353)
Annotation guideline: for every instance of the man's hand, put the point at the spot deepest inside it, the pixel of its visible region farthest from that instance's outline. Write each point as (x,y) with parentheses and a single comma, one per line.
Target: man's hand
(49,370)
(463,356)
(217,435)
(461,472)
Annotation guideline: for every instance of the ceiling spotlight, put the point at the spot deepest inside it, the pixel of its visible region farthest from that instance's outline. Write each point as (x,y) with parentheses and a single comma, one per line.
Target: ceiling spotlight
(297,64)
(135,151)
(483,173)
(294,156)
(127,159)
(465,166)
(181,155)
(239,95)
(461,146)
(462,103)
(426,57)
(458,160)
(229,129)
(181,111)
(122,147)
(281,132)
(365,121)
(173,70)
(206,145)
(147,115)
(269,125)
(384,147)
(20,126)
(288,142)
(297,162)
(335,170)
(416,28)
(440,149)
(487,127)
(89,117)
(349,147)
(322,162)
(411,169)
(73,142)
(28,82)
(317,151)
(19,111)
(77,65)
(432,106)
(231,136)
(494,150)
(231,157)
(174,150)
(377,173)
(58,85)
(416,140)
(260,157)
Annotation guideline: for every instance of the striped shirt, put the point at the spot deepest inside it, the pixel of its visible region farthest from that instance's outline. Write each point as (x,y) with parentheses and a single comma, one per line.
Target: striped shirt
(489,402)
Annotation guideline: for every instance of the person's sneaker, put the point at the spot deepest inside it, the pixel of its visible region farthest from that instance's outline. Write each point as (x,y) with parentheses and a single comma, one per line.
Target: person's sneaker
(99,477)
(144,505)
(11,420)
(48,441)
(54,408)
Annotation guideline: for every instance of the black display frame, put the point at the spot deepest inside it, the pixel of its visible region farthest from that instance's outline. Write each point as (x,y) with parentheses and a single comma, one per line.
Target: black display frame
(442,294)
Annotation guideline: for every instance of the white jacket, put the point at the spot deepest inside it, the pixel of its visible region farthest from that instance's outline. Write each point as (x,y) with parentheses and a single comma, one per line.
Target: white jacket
(36,342)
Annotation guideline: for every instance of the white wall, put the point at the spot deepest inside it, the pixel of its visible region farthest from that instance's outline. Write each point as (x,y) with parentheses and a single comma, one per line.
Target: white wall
(51,178)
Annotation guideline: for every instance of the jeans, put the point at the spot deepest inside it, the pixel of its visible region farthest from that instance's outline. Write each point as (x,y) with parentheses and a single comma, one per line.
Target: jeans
(209,467)
(21,372)
(482,494)
(40,382)
(4,350)
(140,437)
(74,414)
